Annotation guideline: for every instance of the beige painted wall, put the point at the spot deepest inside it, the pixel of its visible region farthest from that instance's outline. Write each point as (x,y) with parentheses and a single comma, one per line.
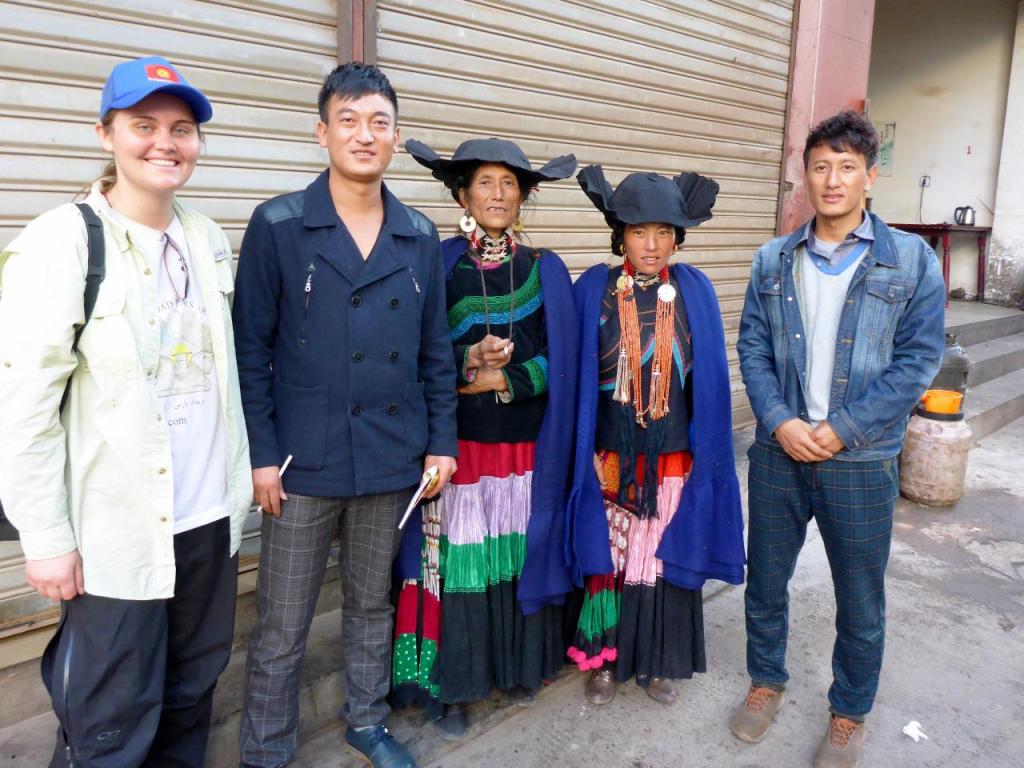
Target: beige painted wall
(1005,282)
(940,70)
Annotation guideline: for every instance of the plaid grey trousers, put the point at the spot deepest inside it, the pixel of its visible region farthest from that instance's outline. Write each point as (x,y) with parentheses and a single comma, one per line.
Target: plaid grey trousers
(292,563)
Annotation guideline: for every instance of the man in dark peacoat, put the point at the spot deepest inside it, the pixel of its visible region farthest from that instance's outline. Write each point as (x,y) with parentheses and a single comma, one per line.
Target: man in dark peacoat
(346,366)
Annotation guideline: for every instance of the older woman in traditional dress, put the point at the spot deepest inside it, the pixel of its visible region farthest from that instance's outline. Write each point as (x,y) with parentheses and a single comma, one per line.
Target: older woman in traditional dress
(655,506)
(482,592)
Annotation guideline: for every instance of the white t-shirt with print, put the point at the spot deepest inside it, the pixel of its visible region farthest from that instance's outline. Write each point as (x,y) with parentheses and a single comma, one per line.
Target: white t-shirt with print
(186,379)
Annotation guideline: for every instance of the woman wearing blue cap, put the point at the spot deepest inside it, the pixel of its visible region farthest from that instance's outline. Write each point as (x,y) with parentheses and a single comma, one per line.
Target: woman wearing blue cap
(654,509)
(123,455)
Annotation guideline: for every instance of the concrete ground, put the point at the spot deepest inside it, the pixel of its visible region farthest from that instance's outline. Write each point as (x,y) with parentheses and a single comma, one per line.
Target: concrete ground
(954,662)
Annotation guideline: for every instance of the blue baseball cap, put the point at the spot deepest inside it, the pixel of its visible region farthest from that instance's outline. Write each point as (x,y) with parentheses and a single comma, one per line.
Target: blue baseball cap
(132,81)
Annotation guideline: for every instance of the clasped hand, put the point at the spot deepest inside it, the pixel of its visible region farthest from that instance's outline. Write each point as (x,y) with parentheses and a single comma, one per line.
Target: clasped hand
(805,443)
(488,356)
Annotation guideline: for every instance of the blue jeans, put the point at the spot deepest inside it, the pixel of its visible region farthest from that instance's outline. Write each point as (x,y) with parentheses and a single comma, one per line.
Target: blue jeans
(852,503)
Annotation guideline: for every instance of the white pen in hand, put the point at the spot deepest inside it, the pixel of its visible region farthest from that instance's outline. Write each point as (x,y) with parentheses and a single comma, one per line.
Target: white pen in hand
(280,473)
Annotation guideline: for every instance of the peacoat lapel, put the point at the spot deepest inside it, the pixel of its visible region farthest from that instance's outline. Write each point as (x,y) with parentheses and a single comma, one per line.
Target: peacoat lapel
(336,245)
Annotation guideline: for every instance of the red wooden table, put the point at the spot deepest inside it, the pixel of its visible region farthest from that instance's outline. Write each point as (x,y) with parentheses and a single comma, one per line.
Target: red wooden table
(935,232)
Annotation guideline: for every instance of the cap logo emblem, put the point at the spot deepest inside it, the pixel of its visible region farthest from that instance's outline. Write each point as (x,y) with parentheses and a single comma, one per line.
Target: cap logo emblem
(162,73)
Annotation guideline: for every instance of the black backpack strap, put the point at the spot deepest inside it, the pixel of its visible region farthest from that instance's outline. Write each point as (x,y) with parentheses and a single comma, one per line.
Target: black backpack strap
(97,263)
(94,275)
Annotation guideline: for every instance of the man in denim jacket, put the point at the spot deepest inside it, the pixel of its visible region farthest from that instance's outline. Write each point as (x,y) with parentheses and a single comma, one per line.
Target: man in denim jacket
(842,331)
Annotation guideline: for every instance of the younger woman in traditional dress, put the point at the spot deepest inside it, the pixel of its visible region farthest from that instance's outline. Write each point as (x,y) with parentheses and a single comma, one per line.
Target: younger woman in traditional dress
(481,601)
(655,506)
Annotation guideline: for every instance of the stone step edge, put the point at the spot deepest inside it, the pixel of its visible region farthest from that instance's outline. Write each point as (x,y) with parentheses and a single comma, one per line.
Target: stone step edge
(23,692)
(995,404)
(994,358)
(974,332)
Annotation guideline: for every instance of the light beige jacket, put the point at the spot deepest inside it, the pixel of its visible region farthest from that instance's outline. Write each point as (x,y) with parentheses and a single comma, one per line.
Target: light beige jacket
(98,477)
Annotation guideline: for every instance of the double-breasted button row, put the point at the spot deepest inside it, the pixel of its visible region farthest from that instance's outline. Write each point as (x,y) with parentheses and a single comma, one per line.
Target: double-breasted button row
(358,409)
(394,303)
(357,357)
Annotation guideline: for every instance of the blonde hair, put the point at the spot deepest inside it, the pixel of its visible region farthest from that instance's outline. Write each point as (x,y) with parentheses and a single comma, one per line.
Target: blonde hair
(108,176)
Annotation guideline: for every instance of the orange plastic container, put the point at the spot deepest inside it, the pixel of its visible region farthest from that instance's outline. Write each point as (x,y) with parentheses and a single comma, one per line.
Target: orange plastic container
(942,401)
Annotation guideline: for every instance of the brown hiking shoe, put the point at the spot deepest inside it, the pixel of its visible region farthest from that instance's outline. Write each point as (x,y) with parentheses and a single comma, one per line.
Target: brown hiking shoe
(750,720)
(601,686)
(842,745)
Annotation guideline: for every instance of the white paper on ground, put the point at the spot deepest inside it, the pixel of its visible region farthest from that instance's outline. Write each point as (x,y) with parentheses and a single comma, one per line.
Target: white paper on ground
(913,730)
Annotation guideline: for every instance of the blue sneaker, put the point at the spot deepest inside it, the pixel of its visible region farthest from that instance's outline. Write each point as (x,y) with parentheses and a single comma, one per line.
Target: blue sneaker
(379,748)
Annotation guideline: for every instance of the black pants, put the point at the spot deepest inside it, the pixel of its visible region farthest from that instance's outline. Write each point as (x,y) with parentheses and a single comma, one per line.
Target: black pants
(132,681)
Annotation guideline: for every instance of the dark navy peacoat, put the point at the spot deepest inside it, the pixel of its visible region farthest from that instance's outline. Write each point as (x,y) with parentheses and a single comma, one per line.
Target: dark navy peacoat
(344,364)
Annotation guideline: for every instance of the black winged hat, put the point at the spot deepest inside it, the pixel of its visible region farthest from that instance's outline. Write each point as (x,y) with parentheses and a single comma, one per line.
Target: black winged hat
(683,201)
(475,151)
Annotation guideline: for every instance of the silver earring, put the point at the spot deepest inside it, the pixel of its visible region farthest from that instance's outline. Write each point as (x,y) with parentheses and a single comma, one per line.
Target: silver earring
(467,223)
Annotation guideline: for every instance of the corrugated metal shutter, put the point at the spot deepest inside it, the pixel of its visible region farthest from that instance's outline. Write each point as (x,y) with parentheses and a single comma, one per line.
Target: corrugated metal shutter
(661,86)
(260,63)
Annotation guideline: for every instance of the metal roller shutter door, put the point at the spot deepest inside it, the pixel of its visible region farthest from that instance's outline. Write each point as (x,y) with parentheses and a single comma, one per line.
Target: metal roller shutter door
(261,64)
(663,86)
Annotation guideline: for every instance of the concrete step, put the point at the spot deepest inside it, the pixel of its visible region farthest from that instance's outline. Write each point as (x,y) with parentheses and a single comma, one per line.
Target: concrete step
(974,323)
(27,743)
(994,358)
(995,403)
(24,698)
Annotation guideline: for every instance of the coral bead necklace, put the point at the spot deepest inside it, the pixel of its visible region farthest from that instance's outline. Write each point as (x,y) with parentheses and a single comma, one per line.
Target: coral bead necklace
(629,371)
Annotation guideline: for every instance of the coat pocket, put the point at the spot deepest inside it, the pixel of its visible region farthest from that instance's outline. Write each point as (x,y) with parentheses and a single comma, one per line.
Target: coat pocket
(770,291)
(301,422)
(107,348)
(884,304)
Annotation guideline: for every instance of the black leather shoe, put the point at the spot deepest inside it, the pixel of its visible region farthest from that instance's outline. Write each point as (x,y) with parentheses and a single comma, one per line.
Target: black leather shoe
(453,723)
(379,748)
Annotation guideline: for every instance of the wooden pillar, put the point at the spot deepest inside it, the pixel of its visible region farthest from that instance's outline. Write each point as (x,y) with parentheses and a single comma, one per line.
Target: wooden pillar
(828,73)
(357,31)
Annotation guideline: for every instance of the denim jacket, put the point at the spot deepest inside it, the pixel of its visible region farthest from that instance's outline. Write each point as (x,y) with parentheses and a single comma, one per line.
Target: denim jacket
(888,348)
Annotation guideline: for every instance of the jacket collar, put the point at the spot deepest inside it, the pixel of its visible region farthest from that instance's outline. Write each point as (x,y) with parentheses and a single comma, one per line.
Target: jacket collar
(883,250)
(337,247)
(318,209)
(121,236)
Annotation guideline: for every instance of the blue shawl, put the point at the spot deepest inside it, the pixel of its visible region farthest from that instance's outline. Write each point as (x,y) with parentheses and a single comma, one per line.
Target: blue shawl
(545,577)
(705,539)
